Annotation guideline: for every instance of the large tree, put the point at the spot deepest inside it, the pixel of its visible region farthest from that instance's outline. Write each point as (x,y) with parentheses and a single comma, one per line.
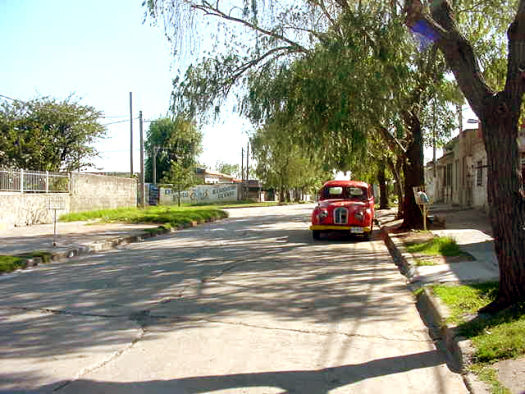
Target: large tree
(499,112)
(358,73)
(282,164)
(172,142)
(48,135)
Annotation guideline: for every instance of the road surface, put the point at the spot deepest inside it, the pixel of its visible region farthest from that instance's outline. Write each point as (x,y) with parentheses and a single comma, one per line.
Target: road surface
(250,304)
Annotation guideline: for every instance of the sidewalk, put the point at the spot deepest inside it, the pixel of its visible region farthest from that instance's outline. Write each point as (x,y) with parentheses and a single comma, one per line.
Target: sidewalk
(72,239)
(472,232)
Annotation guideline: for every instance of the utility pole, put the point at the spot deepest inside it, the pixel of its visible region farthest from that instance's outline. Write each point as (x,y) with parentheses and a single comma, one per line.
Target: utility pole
(248,162)
(131,134)
(142,178)
(155,149)
(247,169)
(242,173)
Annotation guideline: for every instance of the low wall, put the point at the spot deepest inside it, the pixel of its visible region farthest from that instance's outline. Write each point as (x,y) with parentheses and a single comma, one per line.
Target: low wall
(87,192)
(199,194)
(29,208)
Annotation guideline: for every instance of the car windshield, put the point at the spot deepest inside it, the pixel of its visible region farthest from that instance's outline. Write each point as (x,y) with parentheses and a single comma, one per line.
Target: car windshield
(339,192)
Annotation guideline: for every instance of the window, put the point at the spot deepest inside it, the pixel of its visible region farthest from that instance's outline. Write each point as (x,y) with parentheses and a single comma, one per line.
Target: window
(332,192)
(479,173)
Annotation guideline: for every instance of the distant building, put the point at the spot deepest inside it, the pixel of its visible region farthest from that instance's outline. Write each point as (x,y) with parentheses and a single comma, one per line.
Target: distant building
(212,178)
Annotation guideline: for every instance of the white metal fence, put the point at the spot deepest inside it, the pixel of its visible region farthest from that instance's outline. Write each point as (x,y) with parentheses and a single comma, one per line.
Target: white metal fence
(22,181)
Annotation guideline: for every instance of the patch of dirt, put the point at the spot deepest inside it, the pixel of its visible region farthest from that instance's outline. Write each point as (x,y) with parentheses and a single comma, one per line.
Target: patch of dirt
(511,373)
(415,237)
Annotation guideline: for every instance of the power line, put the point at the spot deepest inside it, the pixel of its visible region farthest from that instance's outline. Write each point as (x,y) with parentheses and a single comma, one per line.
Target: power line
(62,112)
(118,121)
(9,98)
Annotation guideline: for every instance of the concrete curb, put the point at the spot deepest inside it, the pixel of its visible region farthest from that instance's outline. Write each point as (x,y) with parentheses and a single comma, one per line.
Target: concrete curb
(434,312)
(100,246)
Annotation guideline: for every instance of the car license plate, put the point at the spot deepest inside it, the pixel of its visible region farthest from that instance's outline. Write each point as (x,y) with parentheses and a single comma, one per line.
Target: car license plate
(356,230)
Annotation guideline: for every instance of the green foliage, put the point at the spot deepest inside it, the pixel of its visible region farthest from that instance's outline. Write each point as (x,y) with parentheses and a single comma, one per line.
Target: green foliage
(228,169)
(444,246)
(46,134)
(177,142)
(281,163)
(159,215)
(10,263)
(495,337)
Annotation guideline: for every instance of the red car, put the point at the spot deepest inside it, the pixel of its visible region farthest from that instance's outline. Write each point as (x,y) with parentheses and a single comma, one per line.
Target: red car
(346,206)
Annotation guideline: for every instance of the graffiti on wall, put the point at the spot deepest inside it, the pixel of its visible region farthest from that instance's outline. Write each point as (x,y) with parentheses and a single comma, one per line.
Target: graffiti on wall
(201,193)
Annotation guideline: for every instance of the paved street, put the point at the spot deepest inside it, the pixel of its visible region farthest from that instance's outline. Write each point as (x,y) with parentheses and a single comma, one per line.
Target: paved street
(246,305)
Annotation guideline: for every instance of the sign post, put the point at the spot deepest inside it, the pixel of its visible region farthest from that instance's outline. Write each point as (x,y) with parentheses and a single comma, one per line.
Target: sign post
(423,201)
(55,204)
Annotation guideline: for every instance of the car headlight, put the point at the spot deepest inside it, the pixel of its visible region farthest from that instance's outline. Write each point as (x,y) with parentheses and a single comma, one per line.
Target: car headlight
(323,213)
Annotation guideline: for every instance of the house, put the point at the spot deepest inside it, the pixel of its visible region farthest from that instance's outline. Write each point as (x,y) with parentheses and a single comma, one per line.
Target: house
(212,178)
(460,176)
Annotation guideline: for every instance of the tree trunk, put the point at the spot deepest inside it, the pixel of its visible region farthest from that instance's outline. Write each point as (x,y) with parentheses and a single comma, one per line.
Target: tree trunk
(499,114)
(506,200)
(383,191)
(414,174)
(398,186)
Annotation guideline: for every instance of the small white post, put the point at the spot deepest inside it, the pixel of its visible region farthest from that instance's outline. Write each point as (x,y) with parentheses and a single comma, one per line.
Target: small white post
(21,181)
(55,228)
(47,181)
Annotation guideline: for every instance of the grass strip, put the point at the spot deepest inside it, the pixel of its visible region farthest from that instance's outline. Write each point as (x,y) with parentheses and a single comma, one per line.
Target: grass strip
(438,246)
(495,337)
(172,216)
(423,263)
(10,263)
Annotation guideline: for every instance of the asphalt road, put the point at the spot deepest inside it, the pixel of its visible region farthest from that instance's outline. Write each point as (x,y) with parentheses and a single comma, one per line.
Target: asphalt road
(246,305)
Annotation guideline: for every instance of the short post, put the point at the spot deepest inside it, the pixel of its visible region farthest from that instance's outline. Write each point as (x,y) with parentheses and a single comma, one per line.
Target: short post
(47,181)
(22,181)
(55,228)
(55,204)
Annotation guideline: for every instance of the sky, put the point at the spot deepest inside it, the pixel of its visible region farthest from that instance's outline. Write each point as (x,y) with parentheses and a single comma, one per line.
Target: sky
(99,51)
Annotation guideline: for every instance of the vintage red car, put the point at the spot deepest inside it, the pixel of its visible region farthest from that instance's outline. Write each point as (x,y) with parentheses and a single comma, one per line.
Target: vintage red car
(346,206)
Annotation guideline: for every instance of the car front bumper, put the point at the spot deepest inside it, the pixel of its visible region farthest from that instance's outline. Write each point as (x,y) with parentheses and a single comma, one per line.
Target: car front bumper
(318,227)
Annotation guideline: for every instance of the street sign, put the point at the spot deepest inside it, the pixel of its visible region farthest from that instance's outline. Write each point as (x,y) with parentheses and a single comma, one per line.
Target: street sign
(55,203)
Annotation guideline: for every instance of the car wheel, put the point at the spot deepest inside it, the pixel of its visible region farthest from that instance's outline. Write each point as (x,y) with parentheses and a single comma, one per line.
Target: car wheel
(316,234)
(368,236)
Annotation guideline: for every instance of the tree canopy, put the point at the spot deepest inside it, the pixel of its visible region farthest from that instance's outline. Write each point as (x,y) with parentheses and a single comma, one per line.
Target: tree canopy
(48,135)
(175,143)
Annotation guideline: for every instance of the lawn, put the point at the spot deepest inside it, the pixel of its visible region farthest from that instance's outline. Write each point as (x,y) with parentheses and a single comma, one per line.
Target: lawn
(495,337)
(438,246)
(164,215)
(10,263)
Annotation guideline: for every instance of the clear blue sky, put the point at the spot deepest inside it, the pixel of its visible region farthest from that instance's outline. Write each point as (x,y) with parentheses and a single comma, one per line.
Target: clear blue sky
(99,51)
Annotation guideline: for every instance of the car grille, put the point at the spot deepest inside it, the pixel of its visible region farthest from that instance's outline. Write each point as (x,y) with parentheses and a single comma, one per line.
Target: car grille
(340,216)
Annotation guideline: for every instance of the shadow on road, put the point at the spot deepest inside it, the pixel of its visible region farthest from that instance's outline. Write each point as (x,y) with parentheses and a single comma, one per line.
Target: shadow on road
(316,381)
(185,279)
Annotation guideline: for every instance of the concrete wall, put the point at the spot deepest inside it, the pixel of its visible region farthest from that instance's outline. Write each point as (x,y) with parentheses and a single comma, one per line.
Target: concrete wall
(87,192)
(199,194)
(30,208)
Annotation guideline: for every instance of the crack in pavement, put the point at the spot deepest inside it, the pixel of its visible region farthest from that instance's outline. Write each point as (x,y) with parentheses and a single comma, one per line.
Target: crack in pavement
(101,364)
(315,332)
(61,312)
